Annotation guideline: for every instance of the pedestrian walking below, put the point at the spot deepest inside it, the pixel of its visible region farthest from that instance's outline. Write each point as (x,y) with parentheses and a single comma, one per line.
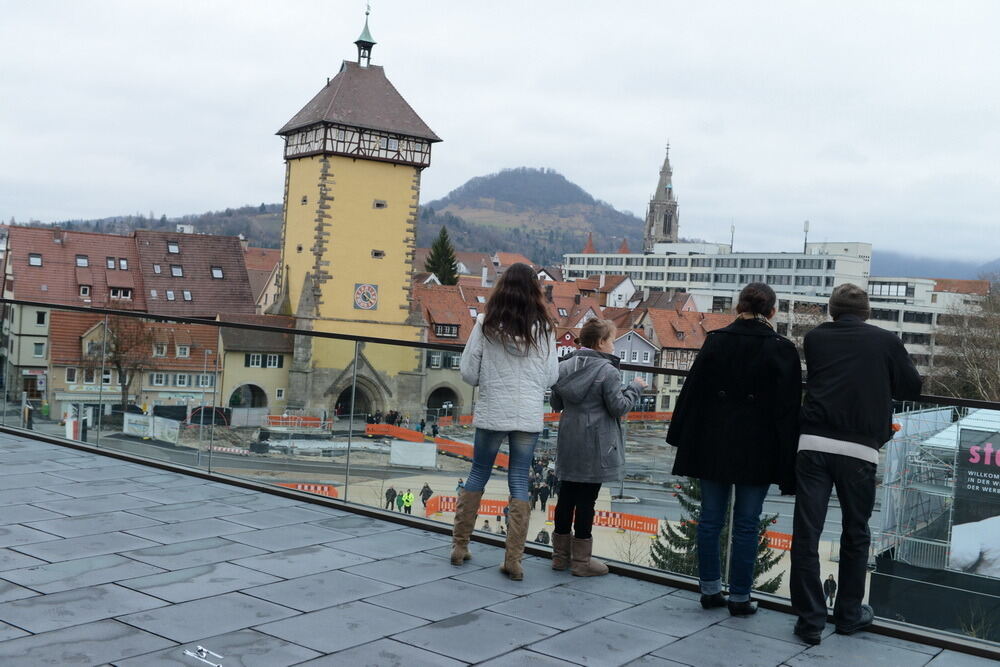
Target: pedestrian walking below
(830,590)
(511,356)
(533,496)
(423,425)
(735,426)
(408,502)
(399,502)
(486,526)
(590,449)
(542,537)
(854,373)
(390,497)
(543,496)
(426,493)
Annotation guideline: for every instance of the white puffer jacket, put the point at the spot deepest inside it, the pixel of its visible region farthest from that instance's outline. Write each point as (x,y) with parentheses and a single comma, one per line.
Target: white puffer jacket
(511,382)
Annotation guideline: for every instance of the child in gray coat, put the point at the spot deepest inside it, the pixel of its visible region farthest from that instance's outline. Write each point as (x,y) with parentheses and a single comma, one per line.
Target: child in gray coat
(591,448)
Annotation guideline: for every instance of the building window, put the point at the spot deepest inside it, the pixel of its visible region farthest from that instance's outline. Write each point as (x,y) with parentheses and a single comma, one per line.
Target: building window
(779,263)
(305,199)
(751,263)
(808,264)
(622,355)
(645,357)
(562,312)
(34,259)
(176,270)
(884,315)
(159,349)
(181,380)
(725,278)
(701,261)
(71,375)
(39,349)
(84,290)
(187,295)
(157,269)
(677,261)
(722,304)
(158,379)
(109,262)
(446,330)
(82,260)
(170,295)
(183,351)
(253,360)
(106,376)
(121,292)
(153,294)
(274,361)
(473,313)
(813,281)
(434,359)
(656,261)
(40,318)
(919,318)
(779,280)
(380,203)
(217,272)
(456,361)
(635,355)
(89,376)
(173,248)
(279,394)
(206,380)
(726,262)
(123,264)
(911,338)
(481,299)
(677,277)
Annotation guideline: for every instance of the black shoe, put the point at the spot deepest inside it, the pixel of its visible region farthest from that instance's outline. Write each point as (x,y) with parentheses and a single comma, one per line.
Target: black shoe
(811,637)
(713,601)
(866,619)
(747,608)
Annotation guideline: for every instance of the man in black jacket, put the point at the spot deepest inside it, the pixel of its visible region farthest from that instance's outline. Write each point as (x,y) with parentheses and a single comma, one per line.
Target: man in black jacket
(855,370)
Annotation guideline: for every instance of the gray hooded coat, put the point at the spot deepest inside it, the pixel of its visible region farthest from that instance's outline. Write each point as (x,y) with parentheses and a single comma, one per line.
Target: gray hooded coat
(591,445)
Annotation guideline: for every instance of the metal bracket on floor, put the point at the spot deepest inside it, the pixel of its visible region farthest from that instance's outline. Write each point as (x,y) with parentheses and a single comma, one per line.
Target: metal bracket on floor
(202,653)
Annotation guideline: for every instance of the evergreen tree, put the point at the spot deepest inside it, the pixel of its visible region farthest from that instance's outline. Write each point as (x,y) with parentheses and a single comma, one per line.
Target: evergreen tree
(441,259)
(676,549)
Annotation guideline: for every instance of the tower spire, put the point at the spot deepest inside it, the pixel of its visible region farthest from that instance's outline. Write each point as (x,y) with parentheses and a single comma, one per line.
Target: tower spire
(662,216)
(365,42)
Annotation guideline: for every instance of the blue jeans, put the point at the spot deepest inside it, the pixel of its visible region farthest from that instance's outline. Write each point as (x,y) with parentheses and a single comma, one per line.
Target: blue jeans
(484,455)
(748,503)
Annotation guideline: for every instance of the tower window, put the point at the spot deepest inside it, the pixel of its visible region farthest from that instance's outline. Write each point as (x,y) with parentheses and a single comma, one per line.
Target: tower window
(394,144)
(378,254)
(380,203)
(298,248)
(305,199)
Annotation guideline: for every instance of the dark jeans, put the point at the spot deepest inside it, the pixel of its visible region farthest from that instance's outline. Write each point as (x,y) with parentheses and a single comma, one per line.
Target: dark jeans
(817,473)
(390,503)
(748,499)
(576,508)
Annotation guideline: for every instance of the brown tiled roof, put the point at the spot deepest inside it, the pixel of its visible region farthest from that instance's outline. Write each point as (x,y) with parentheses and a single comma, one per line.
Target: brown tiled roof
(473,261)
(444,304)
(58,279)
(198,254)
(65,330)
(248,340)
(361,97)
(685,330)
(510,258)
(980,287)
(261,259)
(623,318)
(671,300)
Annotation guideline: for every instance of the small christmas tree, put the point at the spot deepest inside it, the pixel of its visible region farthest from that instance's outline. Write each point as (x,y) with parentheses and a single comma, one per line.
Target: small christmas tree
(441,259)
(676,548)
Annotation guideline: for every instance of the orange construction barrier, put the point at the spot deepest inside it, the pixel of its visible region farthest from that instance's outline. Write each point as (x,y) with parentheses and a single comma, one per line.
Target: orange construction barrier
(488,509)
(635,522)
(462,449)
(293,421)
(551,417)
(328,490)
(782,541)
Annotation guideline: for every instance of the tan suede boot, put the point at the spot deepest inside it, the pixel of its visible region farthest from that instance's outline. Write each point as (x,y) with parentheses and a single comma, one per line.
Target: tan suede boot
(465,522)
(560,550)
(517,532)
(583,564)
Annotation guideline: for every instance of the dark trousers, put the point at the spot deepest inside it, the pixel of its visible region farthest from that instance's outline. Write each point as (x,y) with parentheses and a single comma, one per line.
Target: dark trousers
(390,503)
(408,509)
(817,473)
(575,508)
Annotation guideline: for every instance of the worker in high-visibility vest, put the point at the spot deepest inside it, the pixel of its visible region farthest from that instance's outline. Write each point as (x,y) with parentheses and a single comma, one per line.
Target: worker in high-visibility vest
(408,502)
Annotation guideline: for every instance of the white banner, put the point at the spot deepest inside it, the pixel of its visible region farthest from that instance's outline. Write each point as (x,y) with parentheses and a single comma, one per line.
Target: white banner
(413,454)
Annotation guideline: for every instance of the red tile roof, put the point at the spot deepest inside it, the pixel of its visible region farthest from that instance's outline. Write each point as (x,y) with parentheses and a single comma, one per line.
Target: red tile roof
(444,304)
(509,258)
(623,248)
(685,330)
(261,259)
(979,287)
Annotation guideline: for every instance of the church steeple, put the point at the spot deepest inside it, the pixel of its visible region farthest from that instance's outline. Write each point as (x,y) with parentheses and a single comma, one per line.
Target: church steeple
(662,218)
(365,43)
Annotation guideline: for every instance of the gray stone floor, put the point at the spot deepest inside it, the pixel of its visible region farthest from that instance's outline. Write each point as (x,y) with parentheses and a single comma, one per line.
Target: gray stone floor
(104,562)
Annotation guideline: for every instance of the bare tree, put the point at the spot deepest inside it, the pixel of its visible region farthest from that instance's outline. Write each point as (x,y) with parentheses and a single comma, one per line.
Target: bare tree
(967,350)
(126,347)
(632,547)
(802,319)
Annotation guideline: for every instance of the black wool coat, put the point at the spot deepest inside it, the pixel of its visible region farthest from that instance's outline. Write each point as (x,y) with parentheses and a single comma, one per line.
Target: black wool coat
(736,419)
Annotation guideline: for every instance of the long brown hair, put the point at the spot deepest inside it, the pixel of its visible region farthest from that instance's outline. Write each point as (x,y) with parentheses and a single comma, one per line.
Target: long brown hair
(516,313)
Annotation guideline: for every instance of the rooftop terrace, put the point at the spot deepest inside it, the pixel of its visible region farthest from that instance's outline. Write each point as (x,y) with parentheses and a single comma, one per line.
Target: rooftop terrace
(106,560)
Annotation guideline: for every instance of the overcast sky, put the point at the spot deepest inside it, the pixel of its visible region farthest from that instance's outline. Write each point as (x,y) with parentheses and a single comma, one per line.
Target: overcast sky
(877,122)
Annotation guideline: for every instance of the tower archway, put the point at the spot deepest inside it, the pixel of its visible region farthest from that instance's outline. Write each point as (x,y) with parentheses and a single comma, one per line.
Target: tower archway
(248,396)
(443,401)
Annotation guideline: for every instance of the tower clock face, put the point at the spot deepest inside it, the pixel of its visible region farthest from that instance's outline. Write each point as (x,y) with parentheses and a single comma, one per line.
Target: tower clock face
(365,296)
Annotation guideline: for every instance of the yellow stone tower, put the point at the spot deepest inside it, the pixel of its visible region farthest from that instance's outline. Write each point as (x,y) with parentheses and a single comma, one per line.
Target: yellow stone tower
(353,159)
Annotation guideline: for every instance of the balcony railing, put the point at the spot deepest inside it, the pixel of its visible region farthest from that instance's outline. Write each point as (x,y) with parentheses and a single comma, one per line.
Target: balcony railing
(340,416)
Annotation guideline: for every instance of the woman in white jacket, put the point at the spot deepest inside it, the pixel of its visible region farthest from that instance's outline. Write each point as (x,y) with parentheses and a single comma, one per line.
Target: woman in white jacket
(511,357)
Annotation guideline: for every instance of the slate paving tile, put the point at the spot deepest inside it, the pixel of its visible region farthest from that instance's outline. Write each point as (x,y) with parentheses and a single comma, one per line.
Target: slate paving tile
(538,575)
(279,516)
(90,644)
(192,511)
(244,648)
(337,628)
(287,537)
(101,473)
(188,621)
(168,479)
(721,646)
(10,632)
(522,657)
(198,582)
(29,495)
(12,560)
(186,531)
(388,544)
(653,661)
(895,641)
(621,588)
(561,608)
(482,554)
(16,535)
(409,570)
(258,501)
(852,650)
(25,513)
(440,599)
(26,468)
(102,487)
(91,524)
(771,624)
(94,505)
(68,574)
(10,591)
(302,561)
(954,659)
(602,642)
(82,547)
(672,615)
(80,605)
(34,479)
(357,525)
(441,537)
(183,494)
(318,591)
(475,636)
(182,555)
(384,653)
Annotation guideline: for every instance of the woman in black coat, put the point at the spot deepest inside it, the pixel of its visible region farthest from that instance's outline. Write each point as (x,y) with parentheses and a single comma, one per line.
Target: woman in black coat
(736,425)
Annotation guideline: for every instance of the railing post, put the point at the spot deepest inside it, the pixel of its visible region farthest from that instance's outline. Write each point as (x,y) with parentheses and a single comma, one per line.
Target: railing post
(100,387)
(350,423)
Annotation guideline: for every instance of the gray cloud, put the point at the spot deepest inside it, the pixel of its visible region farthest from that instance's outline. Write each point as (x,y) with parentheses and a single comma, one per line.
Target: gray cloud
(876,121)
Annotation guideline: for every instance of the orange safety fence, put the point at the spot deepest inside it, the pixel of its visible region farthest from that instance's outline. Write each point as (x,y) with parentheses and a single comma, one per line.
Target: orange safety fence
(636,522)
(328,490)
(462,449)
(551,417)
(782,541)
(487,508)
(293,421)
